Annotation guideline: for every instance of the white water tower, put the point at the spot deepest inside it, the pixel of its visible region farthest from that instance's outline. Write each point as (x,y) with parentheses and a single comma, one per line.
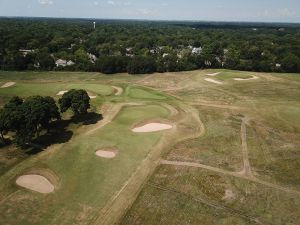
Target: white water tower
(94,25)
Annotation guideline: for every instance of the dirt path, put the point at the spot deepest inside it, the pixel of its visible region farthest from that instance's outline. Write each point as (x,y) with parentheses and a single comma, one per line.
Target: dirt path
(246,173)
(234,174)
(247,168)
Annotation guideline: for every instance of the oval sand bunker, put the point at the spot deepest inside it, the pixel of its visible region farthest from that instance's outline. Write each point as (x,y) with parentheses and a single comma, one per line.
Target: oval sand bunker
(35,183)
(106,154)
(152,127)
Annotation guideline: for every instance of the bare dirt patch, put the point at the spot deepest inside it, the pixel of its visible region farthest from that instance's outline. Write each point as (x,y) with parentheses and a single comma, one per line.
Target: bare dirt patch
(8,84)
(119,90)
(36,183)
(228,195)
(107,153)
(244,79)
(152,127)
(213,81)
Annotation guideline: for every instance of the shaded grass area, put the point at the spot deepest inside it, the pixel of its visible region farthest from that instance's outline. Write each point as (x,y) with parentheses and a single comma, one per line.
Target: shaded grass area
(220,146)
(178,195)
(87,182)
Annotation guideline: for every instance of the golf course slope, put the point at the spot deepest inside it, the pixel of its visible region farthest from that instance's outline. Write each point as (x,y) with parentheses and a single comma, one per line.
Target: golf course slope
(196,147)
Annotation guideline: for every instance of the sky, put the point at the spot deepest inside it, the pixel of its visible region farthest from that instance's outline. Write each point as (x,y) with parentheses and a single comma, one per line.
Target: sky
(197,10)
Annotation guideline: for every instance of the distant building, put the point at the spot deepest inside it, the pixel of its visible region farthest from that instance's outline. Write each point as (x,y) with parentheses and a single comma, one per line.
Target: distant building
(278,65)
(197,50)
(92,57)
(64,63)
(25,51)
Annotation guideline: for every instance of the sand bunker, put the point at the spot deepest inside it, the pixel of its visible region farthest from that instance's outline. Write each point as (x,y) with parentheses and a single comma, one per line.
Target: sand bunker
(8,84)
(241,79)
(213,74)
(118,89)
(61,92)
(152,127)
(92,96)
(106,154)
(213,81)
(35,183)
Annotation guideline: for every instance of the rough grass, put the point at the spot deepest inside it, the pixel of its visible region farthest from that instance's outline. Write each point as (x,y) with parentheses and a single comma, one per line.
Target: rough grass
(178,195)
(220,146)
(229,75)
(173,195)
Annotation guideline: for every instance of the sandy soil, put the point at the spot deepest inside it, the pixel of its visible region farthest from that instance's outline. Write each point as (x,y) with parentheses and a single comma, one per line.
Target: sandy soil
(61,92)
(213,81)
(35,183)
(106,154)
(8,84)
(241,79)
(213,74)
(152,127)
(119,90)
(228,195)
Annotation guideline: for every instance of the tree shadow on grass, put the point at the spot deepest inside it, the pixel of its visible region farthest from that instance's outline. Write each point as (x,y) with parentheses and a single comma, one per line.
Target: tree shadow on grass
(87,119)
(58,132)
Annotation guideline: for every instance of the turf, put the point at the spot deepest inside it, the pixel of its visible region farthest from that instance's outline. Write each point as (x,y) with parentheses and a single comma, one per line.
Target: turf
(172,194)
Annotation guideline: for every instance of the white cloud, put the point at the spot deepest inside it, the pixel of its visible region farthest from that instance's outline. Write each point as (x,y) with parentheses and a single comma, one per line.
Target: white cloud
(110,2)
(145,11)
(96,3)
(285,12)
(46,2)
(127,3)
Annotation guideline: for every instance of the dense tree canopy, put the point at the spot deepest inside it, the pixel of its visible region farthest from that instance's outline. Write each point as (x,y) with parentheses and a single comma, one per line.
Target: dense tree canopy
(127,46)
(27,118)
(76,100)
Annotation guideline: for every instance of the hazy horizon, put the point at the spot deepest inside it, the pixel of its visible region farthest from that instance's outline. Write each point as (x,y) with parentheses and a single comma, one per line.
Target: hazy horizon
(265,11)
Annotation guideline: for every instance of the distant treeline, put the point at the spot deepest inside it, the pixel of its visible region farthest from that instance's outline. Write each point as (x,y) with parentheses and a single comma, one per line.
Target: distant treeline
(139,47)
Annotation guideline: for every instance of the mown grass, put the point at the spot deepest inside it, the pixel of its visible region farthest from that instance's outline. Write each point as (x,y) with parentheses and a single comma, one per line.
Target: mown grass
(86,181)
(139,93)
(188,195)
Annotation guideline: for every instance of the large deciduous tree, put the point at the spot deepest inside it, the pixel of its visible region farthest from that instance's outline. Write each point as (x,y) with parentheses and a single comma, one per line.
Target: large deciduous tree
(27,118)
(76,100)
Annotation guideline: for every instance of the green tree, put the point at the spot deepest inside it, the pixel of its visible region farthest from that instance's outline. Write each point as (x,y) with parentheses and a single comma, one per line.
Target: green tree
(291,63)
(4,123)
(36,114)
(141,65)
(76,100)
